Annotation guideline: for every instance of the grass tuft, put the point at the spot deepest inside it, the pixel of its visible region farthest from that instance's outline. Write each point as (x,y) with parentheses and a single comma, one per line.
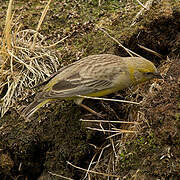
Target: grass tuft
(25,60)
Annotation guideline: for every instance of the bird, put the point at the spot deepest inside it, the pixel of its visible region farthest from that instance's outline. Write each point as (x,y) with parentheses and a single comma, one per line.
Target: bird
(93,76)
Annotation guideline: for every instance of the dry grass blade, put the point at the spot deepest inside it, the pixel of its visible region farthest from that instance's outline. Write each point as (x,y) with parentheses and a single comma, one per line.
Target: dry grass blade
(141,4)
(58,175)
(8,22)
(111,131)
(131,53)
(90,171)
(123,130)
(151,51)
(106,99)
(147,6)
(40,22)
(90,164)
(52,45)
(107,121)
(109,137)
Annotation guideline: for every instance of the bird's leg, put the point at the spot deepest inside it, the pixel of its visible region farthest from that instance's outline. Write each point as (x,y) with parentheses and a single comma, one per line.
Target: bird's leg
(91,110)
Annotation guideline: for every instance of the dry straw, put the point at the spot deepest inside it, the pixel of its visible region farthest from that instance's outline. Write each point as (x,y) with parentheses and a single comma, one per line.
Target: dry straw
(25,60)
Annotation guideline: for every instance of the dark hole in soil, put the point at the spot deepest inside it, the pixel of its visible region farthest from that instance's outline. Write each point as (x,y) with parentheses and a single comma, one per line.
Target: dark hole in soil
(159,36)
(32,165)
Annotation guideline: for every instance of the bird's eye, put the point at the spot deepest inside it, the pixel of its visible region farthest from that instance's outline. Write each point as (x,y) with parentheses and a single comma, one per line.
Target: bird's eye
(149,73)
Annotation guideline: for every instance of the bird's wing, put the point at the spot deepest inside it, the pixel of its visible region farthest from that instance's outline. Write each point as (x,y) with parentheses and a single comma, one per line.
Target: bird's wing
(76,85)
(52,76)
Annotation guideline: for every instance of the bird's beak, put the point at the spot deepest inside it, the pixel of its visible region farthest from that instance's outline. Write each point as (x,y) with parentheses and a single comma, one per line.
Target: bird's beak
(158,75)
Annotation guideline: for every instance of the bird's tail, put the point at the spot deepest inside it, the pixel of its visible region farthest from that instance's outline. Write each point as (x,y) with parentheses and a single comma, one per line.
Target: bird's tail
(33,107)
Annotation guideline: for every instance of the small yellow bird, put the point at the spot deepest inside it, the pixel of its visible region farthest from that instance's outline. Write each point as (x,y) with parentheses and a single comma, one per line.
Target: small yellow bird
(95,75)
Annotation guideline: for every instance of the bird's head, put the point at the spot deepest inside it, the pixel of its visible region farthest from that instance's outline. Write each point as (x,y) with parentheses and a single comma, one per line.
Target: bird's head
(143,70)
